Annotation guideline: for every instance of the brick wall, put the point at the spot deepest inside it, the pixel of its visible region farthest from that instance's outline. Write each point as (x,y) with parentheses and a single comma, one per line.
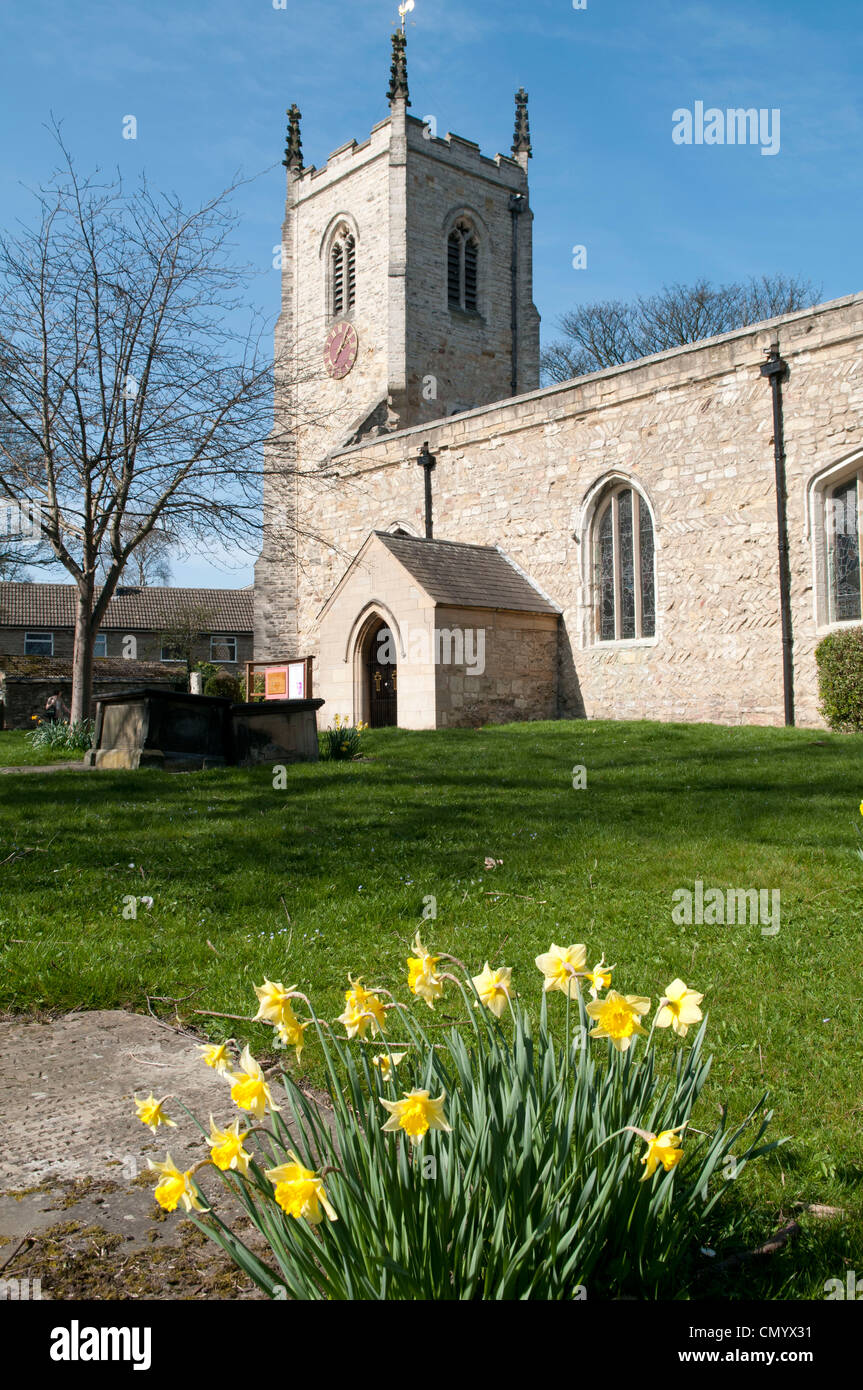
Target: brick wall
(148,645)
(24,698)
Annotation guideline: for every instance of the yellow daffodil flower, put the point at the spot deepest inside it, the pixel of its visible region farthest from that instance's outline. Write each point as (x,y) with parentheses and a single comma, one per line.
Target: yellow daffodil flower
(662,1148)
(679,1008)
(562,968)
(363,1011)
(300,1192)
(290,1030)
(216,1055)
(416,1114)
(422,979)
(175,1188)
(617,1017)
(599,977)
(226,1147)
(151,1114)
(273,1000)
(249,1090)
(385,1061)
(493,988)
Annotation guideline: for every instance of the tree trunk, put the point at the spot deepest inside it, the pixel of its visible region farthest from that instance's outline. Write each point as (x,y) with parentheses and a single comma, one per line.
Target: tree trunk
(82,660)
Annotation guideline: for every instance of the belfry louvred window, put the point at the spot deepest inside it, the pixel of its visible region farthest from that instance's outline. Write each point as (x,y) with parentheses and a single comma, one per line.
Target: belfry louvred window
(343,273)
(463,268)
(625,587)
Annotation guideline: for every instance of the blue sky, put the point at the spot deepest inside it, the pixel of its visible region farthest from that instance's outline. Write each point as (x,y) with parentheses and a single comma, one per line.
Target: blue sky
(209,80)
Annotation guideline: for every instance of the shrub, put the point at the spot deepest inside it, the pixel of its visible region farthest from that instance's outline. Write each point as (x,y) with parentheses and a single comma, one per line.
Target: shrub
(77,737)
(341,740)
(225,685)
(489,1161)
(206,669)
(839,657)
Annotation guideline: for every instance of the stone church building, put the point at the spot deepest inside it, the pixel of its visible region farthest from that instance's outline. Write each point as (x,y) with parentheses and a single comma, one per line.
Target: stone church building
(668,539)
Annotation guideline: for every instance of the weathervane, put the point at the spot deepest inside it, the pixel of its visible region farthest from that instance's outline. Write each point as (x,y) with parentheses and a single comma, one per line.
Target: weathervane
(404,10)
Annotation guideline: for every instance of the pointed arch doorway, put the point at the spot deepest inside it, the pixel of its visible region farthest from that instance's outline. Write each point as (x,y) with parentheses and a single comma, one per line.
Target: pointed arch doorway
(381,677)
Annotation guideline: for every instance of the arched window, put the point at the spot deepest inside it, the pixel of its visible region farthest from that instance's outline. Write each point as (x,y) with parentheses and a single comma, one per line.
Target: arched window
(343,273)
(843,526)
(463,268)
(624,583)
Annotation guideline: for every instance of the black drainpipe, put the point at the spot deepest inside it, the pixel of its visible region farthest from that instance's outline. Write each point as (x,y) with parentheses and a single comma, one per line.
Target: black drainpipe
(516,208)
(777,370)
(428,461)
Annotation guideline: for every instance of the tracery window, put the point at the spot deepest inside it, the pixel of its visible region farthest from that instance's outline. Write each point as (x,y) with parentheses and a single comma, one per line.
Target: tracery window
(463,268)
(843,517)
(625,586)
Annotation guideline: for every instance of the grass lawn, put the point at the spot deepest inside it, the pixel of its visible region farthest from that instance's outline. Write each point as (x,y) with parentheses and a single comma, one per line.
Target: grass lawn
(16,751)
(330,876)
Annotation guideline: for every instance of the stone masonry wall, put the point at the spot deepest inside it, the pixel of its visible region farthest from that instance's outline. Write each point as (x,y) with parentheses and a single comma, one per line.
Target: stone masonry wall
(692,428)
(519,676)
(396,191)
(354,184)
(469,356)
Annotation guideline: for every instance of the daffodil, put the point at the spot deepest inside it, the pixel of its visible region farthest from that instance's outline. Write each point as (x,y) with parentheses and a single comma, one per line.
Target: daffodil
(662,1148)
(290,1030)
(363,1010)
(416,1114)
(175,1188)
(226,1147)
(562,968)
(216,1055)
(300,1191)
(493,988)
(599,977)
(151,1114)
(422,978)
(679,1008)
(273,1000)
(617,1017)
(385,1061)
(250,1090)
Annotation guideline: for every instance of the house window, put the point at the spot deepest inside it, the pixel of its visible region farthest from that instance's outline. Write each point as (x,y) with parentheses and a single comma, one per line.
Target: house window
(343,271)
(843,550)
(625,586)
(38,644)
(223,649)
(463,268)
(169,653)
(100,644)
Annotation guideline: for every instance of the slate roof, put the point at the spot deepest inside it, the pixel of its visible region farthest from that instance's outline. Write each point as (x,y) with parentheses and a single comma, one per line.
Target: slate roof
(150,609)
(467,576)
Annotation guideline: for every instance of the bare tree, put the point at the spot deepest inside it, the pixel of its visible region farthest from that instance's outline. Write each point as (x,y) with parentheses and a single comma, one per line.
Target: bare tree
(150,561)
(129,400)
(185,630)
(19,549)
(611,332)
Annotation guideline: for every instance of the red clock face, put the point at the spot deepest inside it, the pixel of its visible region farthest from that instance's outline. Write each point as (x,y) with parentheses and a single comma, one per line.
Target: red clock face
(340,349)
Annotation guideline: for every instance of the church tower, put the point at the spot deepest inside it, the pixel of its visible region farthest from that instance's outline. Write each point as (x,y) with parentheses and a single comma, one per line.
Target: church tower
(407,295)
